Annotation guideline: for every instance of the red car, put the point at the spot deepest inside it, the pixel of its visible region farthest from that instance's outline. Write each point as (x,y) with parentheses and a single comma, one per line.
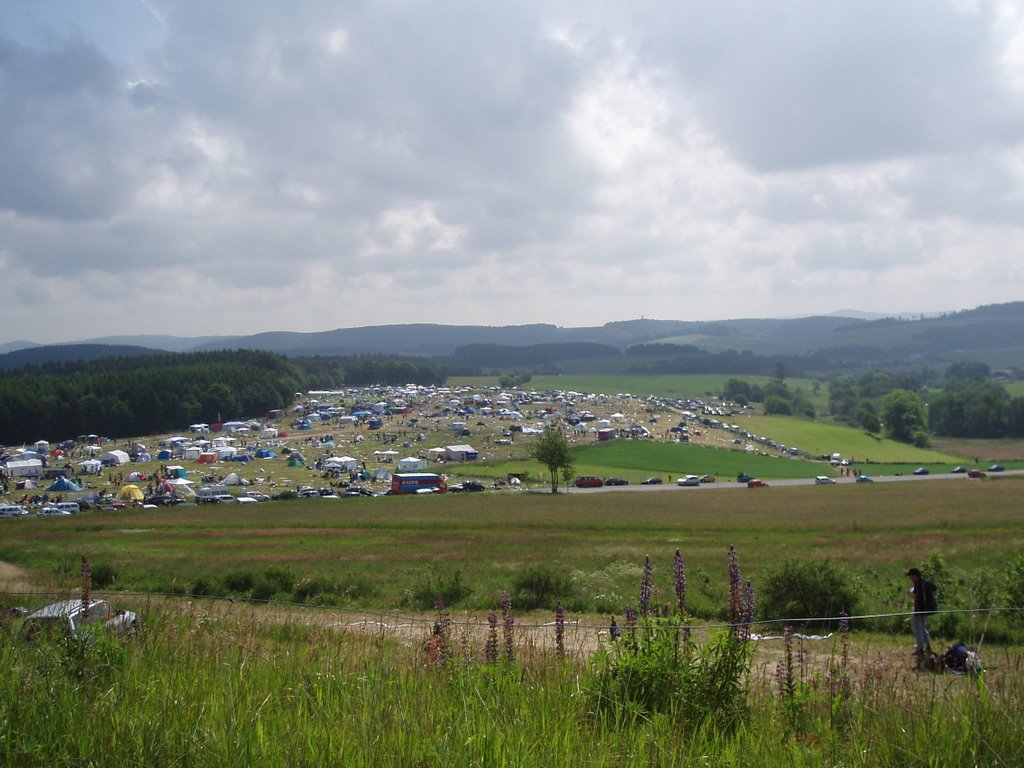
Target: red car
(755,483)
(976,473)
(588,481)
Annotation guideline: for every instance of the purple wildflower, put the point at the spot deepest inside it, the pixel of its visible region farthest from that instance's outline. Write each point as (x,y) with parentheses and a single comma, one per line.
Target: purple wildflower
(560,630)
(508,624)
(679,580)
(735,588)
(646,587)
(491,646)
(748,600)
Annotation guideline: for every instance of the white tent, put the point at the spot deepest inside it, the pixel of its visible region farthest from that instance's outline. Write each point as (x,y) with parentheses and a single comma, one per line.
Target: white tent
(234,479)
(115,458)
(25,468)
(412,464)
(90,467)
(346,463)
(461,452)
(226,452)
(191,453)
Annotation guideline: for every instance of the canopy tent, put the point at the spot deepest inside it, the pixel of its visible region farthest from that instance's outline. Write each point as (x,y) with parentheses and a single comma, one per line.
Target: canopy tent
(346,463)
(381,474)
(90,467)
(130,493)
(64,484)
(176,471)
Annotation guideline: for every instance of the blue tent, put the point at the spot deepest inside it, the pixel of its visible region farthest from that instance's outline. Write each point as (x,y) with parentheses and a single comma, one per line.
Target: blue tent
(264,453)
(163,456)
(63,484)
(240,457)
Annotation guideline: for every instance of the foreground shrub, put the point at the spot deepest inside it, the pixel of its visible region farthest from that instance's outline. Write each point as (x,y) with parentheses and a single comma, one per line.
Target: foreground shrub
(655,669)
(805,589)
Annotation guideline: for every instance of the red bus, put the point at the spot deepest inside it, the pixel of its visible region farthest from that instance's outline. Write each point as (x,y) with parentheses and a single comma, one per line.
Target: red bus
(417,482)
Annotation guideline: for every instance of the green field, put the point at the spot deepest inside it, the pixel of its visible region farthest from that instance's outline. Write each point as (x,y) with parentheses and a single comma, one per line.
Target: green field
(379,552)
(823,439)
(344,681)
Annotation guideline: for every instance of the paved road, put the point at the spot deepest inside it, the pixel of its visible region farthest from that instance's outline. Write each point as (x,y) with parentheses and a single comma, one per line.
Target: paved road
(725,484)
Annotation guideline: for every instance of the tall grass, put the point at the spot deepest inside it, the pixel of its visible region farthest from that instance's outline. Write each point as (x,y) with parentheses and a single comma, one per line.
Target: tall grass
(197,690)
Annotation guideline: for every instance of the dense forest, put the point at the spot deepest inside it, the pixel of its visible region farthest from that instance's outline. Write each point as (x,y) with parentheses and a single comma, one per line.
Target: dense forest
(124,396)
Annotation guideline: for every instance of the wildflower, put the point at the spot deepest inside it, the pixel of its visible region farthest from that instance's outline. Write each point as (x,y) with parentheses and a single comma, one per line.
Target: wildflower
(679,580)
(508,624)
(747,605)
(734,586)
(646,587)
(491,646)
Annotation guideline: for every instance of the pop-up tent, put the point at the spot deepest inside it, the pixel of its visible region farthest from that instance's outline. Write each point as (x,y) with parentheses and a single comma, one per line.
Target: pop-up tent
(234,479)
(412,464)
(64,485)
(130,493)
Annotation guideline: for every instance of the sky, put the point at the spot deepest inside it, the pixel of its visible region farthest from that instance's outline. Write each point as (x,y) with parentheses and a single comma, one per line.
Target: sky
(196,168)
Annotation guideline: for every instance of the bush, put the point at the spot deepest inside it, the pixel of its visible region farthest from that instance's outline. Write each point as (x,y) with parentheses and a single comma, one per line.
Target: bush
(449,588)
(655,669)
(312,587)
(804,589)
(239,581)
(541,586)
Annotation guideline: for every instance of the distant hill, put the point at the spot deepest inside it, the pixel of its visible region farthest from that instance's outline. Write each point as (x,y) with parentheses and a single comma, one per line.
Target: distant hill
(992,334)
(66,353)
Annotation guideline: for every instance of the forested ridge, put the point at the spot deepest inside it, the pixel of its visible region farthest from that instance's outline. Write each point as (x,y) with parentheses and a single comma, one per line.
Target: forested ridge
(123,396)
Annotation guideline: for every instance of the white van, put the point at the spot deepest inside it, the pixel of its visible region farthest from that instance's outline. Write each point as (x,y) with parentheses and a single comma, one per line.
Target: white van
(68,506)
(12,510)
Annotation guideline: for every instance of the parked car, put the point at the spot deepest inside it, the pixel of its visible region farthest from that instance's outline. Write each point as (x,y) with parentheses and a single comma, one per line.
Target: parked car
(466,486)
(976,473)
(743,477)
(49,511)
(12,510)
(162,500)
(688,480)
(996,468)
(651,481)
(864,479)
(824,480)
(921,471)
(708,479)
(958,470)
(755,483)
(615,481)
(258,496)
(357,490)
(68,616)
(588,481)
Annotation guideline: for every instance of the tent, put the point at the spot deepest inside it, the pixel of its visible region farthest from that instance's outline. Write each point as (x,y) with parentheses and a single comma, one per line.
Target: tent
(135,477)
(130,493)
(265,453)
(90,467)
(234,479)
(25,468)
(346,463)
(461,452)
(207,458)
(176,471)
(295,462)
(412,464)
(63,484)
(241,457)
(381,474)
(191,453)
(114,458)
(163,455)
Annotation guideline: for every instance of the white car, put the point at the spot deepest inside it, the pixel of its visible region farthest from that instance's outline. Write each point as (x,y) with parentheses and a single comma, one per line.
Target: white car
(824,480)
(688,480)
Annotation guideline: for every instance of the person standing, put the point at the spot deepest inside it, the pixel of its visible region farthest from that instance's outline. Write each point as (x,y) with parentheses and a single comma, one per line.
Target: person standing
(923,592)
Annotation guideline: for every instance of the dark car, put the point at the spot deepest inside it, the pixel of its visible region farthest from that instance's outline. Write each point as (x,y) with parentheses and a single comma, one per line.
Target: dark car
(743,477)
(589,481)
(652,481)
(755,483)
(162,500)
(921,471)
(466,486)
(615,481)
(357,490)
(957,470)
(997,468)
(976,473)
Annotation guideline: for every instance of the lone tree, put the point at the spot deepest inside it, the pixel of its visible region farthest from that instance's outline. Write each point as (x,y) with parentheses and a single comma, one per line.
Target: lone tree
(554,452)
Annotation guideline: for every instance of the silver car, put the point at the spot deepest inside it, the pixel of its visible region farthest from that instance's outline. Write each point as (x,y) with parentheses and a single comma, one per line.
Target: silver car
(68,616)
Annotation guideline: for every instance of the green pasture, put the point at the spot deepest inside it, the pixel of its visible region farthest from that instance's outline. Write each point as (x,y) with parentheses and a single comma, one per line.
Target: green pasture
(824,439)
(636,460)
(380,552)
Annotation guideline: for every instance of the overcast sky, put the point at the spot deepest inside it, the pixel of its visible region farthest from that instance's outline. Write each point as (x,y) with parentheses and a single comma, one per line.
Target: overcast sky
(198,168)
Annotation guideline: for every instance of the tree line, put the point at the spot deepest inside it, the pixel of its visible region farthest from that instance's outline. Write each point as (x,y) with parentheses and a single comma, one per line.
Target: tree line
(121,396)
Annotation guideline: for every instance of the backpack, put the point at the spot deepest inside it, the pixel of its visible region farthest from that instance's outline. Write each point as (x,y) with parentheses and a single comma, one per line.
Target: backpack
(931,605)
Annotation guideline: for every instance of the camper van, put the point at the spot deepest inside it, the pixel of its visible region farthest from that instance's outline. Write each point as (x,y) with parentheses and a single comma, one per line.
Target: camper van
(417,482)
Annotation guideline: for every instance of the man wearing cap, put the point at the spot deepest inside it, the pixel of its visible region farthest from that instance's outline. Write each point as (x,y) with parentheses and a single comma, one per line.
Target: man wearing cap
(924,604)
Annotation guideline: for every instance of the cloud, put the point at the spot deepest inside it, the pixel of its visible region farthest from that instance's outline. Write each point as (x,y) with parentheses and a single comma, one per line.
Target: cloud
(318,165)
